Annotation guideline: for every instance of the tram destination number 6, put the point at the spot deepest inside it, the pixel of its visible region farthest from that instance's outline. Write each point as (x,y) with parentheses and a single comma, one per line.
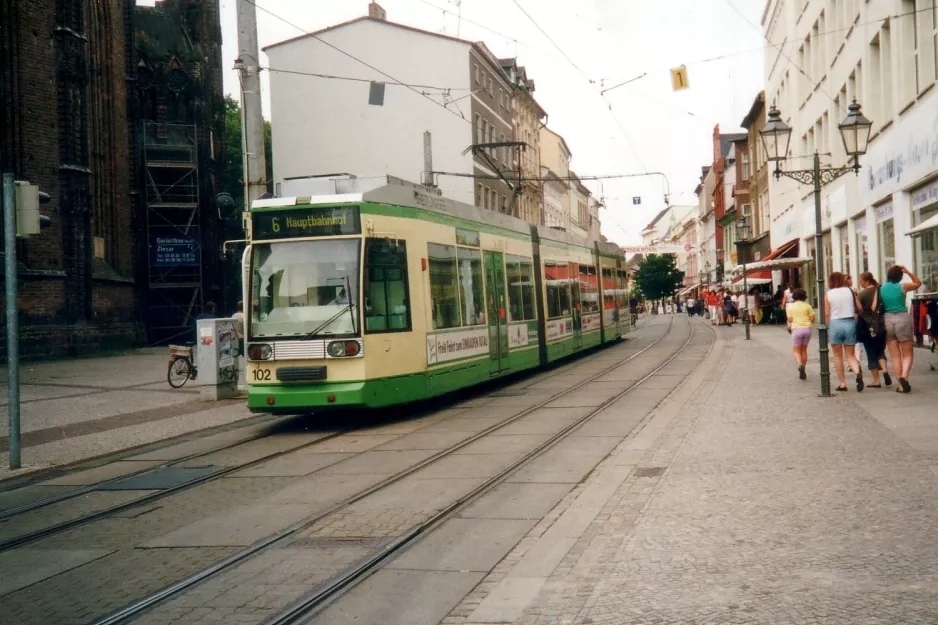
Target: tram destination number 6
(261,375)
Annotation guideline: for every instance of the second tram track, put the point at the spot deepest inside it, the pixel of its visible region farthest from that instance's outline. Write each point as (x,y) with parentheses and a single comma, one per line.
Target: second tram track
(307,607)
(167,593)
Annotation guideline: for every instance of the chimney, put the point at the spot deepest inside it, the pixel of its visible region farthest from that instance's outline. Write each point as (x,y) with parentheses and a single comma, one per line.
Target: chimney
(376,12)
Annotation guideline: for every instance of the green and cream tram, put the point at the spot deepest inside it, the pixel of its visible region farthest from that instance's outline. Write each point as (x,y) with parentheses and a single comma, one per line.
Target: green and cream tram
(386,293)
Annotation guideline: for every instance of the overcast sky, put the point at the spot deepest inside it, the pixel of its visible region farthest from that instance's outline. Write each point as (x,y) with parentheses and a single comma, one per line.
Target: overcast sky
(649,127)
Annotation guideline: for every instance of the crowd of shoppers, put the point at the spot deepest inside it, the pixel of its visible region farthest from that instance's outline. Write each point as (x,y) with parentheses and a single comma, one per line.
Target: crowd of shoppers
(876,317)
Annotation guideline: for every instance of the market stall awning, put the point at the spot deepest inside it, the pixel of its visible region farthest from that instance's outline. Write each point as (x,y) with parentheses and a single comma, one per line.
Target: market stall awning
(777,264)
(755,278)
(925,227)
(691,288)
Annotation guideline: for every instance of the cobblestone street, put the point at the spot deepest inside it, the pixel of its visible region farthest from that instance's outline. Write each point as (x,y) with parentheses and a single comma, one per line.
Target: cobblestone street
(749,499)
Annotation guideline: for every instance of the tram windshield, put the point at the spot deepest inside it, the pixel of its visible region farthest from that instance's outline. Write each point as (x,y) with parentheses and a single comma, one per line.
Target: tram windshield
(305,289)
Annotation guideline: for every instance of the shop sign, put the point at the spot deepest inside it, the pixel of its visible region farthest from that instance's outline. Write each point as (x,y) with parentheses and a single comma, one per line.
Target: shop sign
(884,212)
(908,151)
(924,195)
(447,346)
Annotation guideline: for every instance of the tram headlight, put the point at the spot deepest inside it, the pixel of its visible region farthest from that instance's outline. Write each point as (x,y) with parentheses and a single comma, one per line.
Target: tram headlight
(259,351)
(343,349)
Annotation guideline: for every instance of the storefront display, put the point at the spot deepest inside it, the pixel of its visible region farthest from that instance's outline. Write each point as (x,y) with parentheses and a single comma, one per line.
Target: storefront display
(862,243)
(887,238)
(844,249)
(925,245)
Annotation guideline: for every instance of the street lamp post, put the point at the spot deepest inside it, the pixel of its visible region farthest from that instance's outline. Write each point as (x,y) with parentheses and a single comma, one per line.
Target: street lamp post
(855,132)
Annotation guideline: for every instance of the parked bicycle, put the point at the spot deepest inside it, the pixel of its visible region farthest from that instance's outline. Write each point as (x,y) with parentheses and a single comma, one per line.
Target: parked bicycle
(181,366)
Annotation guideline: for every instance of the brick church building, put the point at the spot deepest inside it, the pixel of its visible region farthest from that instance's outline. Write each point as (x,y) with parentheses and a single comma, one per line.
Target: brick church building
(116,111)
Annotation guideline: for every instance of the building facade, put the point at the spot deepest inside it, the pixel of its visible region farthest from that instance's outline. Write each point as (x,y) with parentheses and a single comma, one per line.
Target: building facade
(555,168)
(491,110)
(755,168)
(64,126)
(377,128)
(527,119)
(179,133)
(887,62)
(710,253)
(77,81)
(579,217)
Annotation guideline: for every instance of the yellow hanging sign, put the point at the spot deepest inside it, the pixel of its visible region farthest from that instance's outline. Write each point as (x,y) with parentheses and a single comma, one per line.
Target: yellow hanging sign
(679,78)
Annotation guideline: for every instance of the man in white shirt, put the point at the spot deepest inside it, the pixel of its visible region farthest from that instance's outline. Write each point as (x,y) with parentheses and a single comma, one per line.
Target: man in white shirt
(742,301)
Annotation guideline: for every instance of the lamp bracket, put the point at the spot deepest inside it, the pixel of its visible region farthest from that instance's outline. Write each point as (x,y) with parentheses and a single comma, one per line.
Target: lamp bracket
(828,175)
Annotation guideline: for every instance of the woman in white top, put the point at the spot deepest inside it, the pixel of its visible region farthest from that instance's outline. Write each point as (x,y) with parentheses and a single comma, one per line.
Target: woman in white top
(840,307)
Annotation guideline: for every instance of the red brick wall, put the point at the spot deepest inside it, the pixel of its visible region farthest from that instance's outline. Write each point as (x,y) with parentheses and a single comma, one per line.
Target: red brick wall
(62,310)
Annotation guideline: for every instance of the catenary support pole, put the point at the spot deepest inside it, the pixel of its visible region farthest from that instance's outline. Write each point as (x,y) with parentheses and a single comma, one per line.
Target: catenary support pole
(252,119)
(823,348)
(13,331)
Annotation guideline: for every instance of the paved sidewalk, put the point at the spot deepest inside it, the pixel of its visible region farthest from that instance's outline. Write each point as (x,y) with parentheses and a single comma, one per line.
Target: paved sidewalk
(76,409)
(747,498)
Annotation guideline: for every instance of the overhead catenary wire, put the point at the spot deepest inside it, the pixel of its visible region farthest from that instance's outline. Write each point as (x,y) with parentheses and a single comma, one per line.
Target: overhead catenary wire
(590,81)
(278,70)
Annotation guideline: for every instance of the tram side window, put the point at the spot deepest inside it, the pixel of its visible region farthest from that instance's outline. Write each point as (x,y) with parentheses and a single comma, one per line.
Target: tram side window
(610,287)
(589,292)
(386,303)
(623,295)
(521,305)
(444,292)
(557,277)
(471,298)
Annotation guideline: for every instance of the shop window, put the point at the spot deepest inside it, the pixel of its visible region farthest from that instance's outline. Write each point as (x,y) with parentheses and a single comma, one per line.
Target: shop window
(926,251)
(862,244)
(471,299)
(444,292)
(521,305)
(387,305)
(557,277)
(887,246)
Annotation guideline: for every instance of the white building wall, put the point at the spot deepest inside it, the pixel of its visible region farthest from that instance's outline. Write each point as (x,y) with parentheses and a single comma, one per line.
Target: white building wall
(875,66)
(322,126)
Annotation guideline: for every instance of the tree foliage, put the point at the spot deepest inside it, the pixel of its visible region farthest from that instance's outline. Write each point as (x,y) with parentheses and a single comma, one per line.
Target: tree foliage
(233,181)
(657,276)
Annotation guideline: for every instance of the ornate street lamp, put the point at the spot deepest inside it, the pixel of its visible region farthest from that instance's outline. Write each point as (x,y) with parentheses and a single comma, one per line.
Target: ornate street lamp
(743,235)
(855,132)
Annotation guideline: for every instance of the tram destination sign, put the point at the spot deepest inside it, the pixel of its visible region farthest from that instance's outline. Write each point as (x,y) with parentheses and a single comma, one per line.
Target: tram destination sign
(315,221)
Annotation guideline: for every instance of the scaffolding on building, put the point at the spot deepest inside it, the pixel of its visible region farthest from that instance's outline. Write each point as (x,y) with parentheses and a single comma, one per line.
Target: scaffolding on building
(170,161)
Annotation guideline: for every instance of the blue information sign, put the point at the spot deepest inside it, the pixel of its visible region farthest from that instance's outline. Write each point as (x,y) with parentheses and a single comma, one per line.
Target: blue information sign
(174,251)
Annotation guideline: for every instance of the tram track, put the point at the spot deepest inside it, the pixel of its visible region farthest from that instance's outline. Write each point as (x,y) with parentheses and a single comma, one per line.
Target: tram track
(57,528)
(307,607)
(29,537)
(287,534)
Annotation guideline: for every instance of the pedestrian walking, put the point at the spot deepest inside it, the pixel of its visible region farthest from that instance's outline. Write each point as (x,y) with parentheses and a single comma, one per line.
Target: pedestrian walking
(870,330)
(800,320)
(899,333)
(691,306)
(729,308)
(742,302)
(712,306)
(841,308)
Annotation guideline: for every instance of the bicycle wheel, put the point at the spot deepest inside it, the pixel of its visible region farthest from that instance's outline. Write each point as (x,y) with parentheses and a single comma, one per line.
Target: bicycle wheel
(179,371)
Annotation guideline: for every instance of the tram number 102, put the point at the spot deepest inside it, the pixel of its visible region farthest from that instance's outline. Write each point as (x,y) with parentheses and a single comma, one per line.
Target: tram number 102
(260,375)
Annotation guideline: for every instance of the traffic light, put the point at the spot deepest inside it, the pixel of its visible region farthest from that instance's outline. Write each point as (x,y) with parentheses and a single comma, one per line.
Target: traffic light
(28,199)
